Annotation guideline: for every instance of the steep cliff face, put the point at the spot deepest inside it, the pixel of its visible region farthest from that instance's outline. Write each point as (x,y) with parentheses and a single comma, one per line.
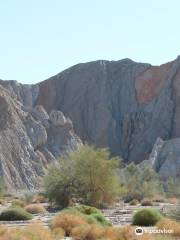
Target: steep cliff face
(122,105)
(26,141)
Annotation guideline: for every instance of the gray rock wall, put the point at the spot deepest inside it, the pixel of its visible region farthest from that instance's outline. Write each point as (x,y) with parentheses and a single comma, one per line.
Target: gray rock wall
(29,141)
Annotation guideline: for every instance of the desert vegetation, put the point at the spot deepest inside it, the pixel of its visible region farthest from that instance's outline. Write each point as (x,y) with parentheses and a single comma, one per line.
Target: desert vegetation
(95,178)
(35,208)
(88,174)
(78,227)
(79,185)
(147,217)
(14,214)
(140,182)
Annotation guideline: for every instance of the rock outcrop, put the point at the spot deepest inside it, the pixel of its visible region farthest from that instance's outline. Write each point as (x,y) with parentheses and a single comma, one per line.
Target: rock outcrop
(123,105)
(29,140)
(165,158)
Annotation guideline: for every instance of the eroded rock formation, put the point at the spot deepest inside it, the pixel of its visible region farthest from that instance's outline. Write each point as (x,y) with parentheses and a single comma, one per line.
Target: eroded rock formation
(123,105)
(29,140)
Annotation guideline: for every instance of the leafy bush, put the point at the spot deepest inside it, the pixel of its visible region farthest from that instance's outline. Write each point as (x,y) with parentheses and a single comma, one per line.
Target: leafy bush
(146,217)
(14,214)
(88,210)
(87,173)
(134,202)
(35,208)
(101,219)
(92,215)
(146,203)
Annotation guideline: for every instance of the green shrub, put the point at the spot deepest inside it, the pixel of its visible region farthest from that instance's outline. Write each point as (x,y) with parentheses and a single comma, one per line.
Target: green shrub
(146,217)
(72,177)
(15,214)
(146,203)
(91,215)
(88,210)
(134,202)
(101,219)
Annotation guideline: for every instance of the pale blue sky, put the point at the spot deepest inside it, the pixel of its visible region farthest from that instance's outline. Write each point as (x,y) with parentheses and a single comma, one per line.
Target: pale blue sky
(39,38)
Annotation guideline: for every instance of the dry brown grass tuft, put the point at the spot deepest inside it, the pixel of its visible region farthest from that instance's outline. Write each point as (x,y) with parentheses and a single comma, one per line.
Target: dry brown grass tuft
(67,222)
(39,199)
(35,208)
(33,232)
(58,233)
(88,232)
(125,233)
(169,224)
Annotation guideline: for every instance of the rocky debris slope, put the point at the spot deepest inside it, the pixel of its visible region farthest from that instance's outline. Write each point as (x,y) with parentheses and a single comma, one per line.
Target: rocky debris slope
(123,105)
(29,140)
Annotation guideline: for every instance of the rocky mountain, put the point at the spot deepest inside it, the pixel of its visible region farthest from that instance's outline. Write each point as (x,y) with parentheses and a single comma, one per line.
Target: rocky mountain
(123,105)
(29,140)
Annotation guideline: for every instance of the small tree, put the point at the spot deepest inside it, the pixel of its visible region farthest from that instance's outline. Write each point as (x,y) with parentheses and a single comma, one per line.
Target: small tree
(60,182)
(87,173)
(97,174)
